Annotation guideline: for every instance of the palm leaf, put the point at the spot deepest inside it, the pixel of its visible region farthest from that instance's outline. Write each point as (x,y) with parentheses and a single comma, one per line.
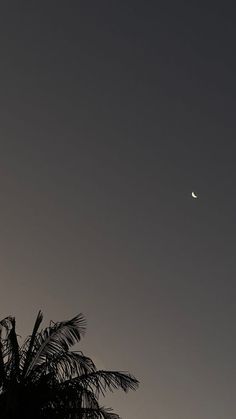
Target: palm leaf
(55,339)
(2,367)
(70,364)
(71,400)
(107,413)
(89,405)
(99,413)
(14,347)
(100,381)
(31,342)
(65,366)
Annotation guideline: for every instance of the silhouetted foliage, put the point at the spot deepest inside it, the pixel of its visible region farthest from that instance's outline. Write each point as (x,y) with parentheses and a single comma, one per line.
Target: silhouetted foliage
(45,379)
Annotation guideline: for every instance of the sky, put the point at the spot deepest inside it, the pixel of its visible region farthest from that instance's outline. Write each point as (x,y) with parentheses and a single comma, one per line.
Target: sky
(112,113)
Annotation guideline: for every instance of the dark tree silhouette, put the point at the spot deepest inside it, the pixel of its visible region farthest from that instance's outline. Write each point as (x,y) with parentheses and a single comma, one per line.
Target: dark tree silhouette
(45,379)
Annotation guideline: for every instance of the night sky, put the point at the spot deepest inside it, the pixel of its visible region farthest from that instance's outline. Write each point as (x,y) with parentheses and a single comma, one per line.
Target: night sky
(112,113)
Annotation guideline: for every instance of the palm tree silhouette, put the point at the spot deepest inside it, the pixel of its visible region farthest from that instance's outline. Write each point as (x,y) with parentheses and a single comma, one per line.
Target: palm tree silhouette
(45,379)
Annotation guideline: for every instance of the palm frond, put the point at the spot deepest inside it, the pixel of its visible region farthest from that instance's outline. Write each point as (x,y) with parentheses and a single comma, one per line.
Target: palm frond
(100,381)
(14,348)
(74,412)
(31,342)
(64,366)
(99,413)
(9,349)
(55,339)
(108,413)
(89,404)
(2,366)
(70,401)
(70,364)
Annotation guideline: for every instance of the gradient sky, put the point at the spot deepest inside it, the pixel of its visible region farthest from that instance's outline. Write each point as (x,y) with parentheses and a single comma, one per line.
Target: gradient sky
(112,112)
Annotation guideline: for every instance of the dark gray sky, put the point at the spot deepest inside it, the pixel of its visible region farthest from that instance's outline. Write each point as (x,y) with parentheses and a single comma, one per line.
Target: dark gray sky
(112,112)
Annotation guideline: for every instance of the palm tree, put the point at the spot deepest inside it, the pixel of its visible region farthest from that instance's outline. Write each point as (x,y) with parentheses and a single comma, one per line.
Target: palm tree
(45,379)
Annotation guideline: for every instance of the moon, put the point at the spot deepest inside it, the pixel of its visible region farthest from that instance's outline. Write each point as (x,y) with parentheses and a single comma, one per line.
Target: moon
(194,195)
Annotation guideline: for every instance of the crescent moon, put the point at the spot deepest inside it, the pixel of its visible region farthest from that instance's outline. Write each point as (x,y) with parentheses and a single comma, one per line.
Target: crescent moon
(194,195)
